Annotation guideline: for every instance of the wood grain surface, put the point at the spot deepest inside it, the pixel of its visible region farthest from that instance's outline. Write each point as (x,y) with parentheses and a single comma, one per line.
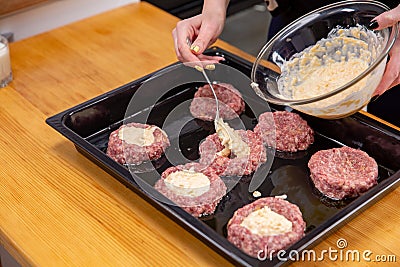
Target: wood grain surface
(60,209)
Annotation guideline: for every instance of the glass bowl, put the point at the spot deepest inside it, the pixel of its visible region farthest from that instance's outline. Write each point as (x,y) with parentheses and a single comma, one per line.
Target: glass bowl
(276,74)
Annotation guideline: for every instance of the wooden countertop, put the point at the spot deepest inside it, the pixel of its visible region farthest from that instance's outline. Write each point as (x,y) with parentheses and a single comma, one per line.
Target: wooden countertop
(57,207)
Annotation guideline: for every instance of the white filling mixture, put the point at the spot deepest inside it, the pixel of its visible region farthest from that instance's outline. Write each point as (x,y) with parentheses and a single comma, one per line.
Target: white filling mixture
(256,194)
(266,222)
(138,136)
(328,65)
(187,183)
(231,140)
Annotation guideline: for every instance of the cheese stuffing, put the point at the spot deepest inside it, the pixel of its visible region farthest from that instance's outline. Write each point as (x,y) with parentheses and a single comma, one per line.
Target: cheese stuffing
(188,183)
(266,222)
(231,140)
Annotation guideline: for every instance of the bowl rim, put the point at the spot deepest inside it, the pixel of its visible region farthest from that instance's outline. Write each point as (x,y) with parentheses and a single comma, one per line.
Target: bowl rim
(284,101)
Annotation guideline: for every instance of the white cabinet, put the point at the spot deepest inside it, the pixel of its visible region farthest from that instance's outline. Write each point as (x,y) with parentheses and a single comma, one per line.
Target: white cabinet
(53,14)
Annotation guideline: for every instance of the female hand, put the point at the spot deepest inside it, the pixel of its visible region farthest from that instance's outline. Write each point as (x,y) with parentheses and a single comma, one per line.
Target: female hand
(391,76)
(193,35)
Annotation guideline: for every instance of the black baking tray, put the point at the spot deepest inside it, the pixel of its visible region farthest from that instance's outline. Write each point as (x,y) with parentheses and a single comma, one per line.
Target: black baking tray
(89,124)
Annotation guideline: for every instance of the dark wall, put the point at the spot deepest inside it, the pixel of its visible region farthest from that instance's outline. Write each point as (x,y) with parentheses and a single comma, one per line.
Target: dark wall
(187,8)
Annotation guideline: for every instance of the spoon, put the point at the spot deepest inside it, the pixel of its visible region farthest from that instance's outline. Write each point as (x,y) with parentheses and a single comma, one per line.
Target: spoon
(202,70)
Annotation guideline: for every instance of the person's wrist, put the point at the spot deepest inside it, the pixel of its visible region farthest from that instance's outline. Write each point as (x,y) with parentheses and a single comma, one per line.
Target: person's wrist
(276,9)
(215,8)
(271,5)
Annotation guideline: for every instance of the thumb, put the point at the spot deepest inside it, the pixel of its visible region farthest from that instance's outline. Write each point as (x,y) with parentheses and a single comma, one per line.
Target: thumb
(208,35)
(388,18)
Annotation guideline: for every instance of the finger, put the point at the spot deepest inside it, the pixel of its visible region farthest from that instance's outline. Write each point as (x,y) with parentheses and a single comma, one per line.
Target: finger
(211,59)
(392,71)
(389,78)
(207,36)
(186,54)
(184,30)
(201,65)
(394,83)
(178,54)
(388,18)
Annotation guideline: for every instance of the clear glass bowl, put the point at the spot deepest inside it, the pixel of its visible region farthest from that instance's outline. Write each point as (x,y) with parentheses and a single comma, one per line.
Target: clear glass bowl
(344,99)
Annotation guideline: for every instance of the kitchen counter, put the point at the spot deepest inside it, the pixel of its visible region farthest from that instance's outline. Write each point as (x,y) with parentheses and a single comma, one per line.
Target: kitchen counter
(59,208)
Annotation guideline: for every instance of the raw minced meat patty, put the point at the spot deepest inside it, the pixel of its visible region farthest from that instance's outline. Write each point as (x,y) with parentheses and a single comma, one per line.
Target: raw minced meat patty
(259,244)
(287,131)
(231,103)
(343,172)
(128,153)
(233,165)
(197,205)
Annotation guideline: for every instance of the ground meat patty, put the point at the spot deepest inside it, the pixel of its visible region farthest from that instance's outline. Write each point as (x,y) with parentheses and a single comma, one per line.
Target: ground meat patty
(260,245)
(198,206)
(231,103)
(343,172)
(287,131)
(125,153)
(233,165)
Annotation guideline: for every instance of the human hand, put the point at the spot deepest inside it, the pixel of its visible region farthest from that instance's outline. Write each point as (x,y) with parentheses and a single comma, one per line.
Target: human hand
(193,35)
(391,76)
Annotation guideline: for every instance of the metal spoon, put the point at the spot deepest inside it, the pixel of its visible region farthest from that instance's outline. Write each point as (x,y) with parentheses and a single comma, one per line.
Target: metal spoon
(202,70)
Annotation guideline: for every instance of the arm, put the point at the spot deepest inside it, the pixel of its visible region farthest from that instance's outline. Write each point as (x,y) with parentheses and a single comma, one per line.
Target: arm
(201,30)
